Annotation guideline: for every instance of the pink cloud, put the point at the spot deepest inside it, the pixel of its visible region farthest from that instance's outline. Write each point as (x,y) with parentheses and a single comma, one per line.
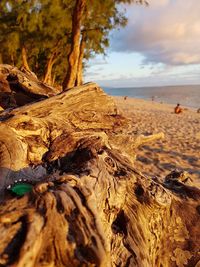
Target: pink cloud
(168,32)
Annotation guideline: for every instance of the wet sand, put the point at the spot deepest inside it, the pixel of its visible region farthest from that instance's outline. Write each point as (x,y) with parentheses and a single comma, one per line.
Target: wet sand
(180,149)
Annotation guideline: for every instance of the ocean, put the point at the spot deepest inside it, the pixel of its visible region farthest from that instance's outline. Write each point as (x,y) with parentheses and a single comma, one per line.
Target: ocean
(186,95)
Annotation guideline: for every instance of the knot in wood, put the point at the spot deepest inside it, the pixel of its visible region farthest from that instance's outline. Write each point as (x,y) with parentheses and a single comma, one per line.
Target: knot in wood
(119,226)
(109,161)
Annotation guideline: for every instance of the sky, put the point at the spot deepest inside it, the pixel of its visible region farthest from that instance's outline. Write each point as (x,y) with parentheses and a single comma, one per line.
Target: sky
(159,46)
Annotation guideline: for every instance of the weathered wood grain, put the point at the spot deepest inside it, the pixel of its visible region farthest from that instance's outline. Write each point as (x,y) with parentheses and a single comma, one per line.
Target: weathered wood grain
(89,206)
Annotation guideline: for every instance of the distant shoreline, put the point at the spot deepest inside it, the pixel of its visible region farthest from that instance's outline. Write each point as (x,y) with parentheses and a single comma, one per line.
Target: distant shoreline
(187,96)
(165,105)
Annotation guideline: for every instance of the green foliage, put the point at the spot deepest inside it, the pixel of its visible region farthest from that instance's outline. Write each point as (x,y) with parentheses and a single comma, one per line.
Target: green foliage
(100,18)
(43,28)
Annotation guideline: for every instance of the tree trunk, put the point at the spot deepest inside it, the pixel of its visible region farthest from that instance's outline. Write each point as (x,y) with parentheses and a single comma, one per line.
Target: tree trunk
(24,59)
(51,61)
(1,58)
(88,206)
(79,77)
(12,58)
(73,58)
(48,73)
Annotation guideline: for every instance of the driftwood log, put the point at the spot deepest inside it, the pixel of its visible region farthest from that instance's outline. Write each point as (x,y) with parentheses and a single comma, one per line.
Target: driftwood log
(89,206)
(18,88)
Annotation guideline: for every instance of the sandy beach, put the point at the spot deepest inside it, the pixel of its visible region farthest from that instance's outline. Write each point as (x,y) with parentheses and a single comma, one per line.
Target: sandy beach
(180,149)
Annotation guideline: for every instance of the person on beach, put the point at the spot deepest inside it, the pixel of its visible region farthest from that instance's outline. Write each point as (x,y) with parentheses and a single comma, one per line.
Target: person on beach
(178,109)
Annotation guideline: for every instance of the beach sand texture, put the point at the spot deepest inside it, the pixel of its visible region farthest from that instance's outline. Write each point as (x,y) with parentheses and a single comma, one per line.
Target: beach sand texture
(180,149)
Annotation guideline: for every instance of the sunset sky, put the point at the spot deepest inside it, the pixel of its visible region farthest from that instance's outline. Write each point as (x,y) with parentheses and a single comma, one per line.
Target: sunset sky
(159,46)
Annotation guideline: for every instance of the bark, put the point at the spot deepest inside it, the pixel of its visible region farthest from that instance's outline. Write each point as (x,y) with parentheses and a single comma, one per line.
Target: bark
(24,60)
(12,59)
(48,74)
(79,78)
(73,58)
(89,206)
(51,61)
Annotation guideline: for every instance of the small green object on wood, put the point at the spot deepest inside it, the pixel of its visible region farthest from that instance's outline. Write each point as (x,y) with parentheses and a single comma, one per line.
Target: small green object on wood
(21,189)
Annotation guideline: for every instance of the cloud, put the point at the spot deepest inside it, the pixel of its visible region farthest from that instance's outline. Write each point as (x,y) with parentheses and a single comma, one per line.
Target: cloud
(160,79)
(168,32)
